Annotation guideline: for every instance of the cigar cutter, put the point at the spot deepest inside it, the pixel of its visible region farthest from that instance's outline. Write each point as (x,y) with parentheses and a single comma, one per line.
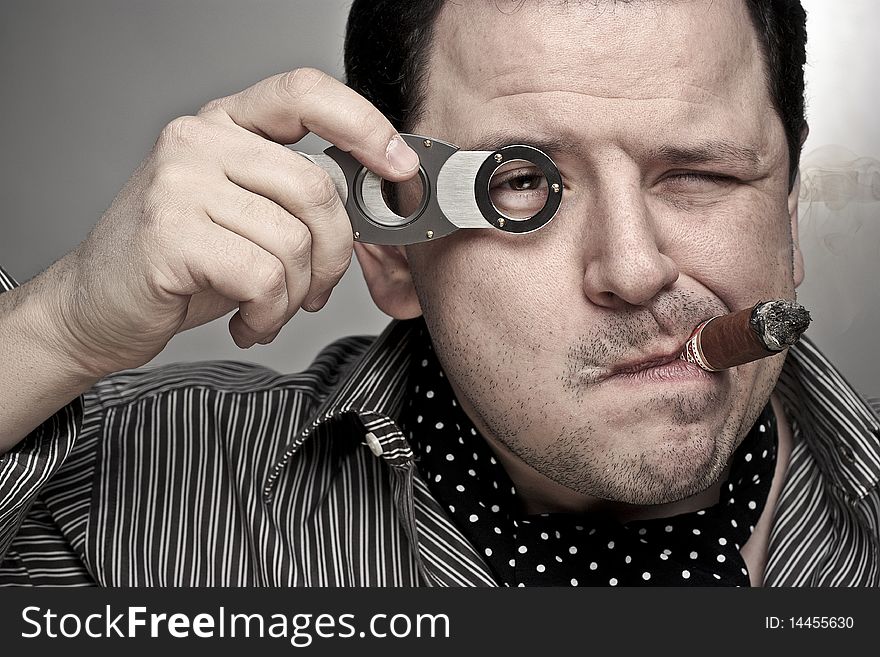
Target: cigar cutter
(459,189)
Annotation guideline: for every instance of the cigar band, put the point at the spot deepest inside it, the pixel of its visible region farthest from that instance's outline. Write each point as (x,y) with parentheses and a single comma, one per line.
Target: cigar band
(693,348)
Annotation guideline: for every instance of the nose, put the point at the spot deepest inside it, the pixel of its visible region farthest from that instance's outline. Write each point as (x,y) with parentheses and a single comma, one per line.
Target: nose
(624,265)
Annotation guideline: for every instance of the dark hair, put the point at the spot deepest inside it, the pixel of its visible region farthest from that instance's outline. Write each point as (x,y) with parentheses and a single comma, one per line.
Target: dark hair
(388,42)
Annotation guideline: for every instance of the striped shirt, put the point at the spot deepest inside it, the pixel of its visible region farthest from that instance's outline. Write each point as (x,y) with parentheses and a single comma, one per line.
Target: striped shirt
(229,474)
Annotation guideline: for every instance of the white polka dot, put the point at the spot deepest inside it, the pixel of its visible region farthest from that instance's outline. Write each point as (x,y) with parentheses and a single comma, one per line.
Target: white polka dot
(643,531)
(744,571)
(540,568)
(475,456)
(558,558)
(451,509)
(523,549)
(419,419)
(722,541)
(424,362)
(716,576)
(764,454)
(593,565)
(498,530)
(492,460)
(733,522)
(667,552)
(545,535)
(613,581)
(762,428)
(572,550)
(668,528)
(439,425)
(748,457)
(512,563)
(521,584)
(472,473)
(495,508)
(574,582)
(720,558)
(460,440)
(428,449)
(429,394)
(701,512)
(473,517)
(488,552)
(450,457)
(628,559)
(696,532)
(610,545)
(752,505)
(473,432)
(453,403)
(459,488)
(686,574)
(693,555)
(558,535)
(756,479)
(646,575)
(579,528)
(437,478)
(663,557)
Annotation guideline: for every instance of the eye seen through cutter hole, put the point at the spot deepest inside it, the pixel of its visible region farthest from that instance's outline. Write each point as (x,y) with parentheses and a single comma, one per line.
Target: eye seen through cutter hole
(518,190)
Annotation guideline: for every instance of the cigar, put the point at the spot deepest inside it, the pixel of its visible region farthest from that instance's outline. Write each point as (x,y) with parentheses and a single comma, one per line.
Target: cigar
(740,337)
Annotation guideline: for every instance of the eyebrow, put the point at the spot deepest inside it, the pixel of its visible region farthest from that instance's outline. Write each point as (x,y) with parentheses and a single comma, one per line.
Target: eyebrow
(707,153)
(495,141)
(719,151)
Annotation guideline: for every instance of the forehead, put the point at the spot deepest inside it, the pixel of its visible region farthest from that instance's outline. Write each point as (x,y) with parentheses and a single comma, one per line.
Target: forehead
(519,57)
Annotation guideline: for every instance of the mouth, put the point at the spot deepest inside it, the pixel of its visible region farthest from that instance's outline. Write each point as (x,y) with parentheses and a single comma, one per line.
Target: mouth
(661,366)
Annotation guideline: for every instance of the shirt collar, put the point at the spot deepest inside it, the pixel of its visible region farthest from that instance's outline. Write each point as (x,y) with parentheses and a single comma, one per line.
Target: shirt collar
(372,390)
(840,429)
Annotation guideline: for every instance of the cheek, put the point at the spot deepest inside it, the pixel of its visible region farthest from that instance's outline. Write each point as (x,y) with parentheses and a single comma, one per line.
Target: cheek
(490,292)
(739,253)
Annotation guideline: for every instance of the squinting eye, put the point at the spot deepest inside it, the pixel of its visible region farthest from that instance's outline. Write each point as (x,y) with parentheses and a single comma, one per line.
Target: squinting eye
(698,178)
(518,190)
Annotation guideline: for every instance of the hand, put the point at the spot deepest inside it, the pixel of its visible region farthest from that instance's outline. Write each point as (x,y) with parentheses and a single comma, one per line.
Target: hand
(221,215)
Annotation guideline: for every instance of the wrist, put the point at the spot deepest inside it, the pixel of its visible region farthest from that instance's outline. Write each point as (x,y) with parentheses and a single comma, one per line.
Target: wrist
(53,330)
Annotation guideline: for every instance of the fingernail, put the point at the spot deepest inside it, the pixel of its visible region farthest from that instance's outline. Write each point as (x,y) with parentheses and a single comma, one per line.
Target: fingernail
(317,303)
(401,157)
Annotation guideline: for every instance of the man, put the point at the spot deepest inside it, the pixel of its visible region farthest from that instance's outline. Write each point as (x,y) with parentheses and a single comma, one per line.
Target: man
(521,423)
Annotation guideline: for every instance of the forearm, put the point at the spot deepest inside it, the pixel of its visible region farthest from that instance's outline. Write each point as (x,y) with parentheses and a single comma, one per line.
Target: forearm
(39,373)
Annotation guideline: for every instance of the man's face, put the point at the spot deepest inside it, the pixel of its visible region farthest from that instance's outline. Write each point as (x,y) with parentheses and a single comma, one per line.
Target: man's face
(674,210)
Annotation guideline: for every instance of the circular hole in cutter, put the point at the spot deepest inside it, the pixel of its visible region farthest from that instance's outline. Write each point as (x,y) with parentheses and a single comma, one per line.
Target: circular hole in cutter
(391,204)
(518,189)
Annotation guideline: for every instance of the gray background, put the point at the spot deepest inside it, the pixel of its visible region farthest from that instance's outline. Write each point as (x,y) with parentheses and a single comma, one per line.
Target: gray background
(88,85)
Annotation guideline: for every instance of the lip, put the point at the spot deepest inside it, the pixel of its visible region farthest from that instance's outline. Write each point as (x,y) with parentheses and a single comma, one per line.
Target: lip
(645,364)
(666,370)
(662,365)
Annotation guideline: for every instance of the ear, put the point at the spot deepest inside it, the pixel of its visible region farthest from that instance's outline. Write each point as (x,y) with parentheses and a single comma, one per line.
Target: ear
(793,195)
(386,271)
(797,255)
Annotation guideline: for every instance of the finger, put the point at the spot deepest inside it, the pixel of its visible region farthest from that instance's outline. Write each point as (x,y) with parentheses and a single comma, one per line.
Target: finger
(272,228)
(239,270)
(304,191)
(285,107)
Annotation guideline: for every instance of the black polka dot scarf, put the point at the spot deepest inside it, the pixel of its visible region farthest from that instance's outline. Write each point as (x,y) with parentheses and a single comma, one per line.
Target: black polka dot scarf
(699,548)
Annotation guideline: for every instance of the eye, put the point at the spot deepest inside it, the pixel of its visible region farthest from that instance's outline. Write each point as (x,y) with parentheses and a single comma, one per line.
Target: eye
(518,190)
(697,180)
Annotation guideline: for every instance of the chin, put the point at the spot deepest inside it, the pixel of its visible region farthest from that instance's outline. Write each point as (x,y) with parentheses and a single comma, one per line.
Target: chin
(642,466)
